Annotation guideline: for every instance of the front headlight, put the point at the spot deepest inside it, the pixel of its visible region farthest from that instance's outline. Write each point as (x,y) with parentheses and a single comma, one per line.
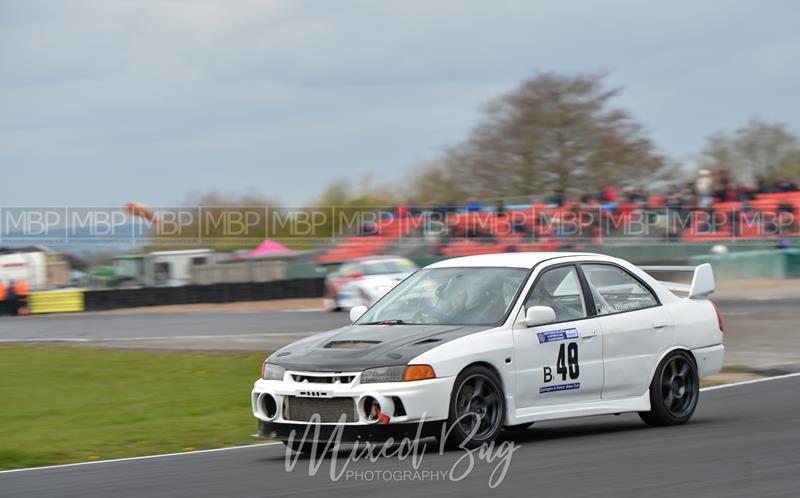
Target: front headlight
(397,374)
(272,372)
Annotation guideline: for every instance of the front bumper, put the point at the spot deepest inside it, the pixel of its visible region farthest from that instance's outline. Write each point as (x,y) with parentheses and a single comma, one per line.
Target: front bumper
(348,299)
(348,433)
(289,401)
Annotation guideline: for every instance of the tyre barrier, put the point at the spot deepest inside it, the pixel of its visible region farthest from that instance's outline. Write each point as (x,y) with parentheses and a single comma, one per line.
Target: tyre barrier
(56,301)
(101,300)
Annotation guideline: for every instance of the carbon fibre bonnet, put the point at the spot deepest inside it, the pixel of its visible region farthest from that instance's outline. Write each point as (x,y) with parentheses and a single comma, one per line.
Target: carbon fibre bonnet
(356,347)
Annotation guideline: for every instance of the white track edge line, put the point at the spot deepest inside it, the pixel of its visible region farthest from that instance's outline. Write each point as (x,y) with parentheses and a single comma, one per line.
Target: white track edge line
(752,381)
(144,457)
(196,452)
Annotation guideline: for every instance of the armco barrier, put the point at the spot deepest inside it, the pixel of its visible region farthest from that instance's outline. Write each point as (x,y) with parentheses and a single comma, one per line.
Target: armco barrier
(99,300)
(775,263)
(56,301)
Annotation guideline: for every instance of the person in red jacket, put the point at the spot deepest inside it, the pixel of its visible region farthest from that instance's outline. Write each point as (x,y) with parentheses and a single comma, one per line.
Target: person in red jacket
(3,298)
(21,291)
(401,211)
(610,194)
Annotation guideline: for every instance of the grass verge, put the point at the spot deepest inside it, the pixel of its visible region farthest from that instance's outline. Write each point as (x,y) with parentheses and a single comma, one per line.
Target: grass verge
(77,404)
(62,405)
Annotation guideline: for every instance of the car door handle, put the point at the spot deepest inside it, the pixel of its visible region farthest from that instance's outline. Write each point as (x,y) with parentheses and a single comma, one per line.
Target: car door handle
(659,325)
(588,333)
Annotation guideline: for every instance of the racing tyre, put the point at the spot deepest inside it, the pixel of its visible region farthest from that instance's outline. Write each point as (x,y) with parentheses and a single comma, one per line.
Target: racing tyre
(331,304)
(477,408)
(674,391)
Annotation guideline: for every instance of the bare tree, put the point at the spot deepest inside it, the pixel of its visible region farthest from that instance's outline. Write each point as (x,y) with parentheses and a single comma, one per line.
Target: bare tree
(553,132)
(756,150)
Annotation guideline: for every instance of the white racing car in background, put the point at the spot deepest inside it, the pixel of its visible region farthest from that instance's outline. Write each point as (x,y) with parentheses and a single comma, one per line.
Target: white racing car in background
(496,341)
(363,281)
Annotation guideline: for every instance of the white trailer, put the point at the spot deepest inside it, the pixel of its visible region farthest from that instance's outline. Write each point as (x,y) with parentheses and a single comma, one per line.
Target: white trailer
(173,268)
(30,267)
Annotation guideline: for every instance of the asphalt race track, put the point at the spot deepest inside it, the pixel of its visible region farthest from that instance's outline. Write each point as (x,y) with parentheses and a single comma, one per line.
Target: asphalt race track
(262,330)
(743,441)
(103,326)
(758,333)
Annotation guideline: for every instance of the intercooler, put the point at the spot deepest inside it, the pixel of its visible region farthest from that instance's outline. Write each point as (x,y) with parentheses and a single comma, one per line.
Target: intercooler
(329,409)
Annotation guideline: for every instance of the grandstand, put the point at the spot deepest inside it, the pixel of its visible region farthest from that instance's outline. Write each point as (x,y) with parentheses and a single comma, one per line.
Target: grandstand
(539,227)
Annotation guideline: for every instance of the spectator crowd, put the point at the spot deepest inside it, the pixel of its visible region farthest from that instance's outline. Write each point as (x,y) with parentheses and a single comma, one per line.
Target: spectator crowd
(708,207)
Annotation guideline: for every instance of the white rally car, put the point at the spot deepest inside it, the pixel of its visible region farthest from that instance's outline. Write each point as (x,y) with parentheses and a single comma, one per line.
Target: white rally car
(495,341)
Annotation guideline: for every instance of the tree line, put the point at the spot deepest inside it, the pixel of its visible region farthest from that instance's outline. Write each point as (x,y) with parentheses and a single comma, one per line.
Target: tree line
(552,134)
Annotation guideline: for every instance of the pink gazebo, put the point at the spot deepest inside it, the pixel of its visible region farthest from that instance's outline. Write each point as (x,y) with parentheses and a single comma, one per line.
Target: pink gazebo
(266,248)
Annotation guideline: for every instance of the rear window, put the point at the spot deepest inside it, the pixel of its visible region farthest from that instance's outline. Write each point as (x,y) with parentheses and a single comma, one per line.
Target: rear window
(615,290)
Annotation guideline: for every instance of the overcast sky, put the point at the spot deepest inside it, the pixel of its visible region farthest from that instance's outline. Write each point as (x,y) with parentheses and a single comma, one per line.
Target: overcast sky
(104,102)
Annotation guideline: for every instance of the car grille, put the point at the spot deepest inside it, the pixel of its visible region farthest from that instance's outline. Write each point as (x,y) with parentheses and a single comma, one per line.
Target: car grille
(323,378)
(329,409)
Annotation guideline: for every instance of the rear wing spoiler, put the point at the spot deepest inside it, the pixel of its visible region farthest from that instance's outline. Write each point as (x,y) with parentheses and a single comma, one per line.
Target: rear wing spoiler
(702,279)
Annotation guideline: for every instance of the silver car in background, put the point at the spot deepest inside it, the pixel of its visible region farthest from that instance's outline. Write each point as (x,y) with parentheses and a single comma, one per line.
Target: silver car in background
(363,281)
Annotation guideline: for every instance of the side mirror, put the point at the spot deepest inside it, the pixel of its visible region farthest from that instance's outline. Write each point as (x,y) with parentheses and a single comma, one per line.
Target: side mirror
(357,311)
(539,315)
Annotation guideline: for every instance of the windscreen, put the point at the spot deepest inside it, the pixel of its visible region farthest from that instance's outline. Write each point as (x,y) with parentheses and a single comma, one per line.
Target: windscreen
(449,296)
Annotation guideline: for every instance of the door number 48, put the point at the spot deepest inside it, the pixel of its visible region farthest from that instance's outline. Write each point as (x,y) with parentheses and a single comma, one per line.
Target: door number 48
(566,363)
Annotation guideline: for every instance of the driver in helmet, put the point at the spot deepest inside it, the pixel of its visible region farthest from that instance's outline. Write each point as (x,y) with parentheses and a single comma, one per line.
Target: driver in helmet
(452,300)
